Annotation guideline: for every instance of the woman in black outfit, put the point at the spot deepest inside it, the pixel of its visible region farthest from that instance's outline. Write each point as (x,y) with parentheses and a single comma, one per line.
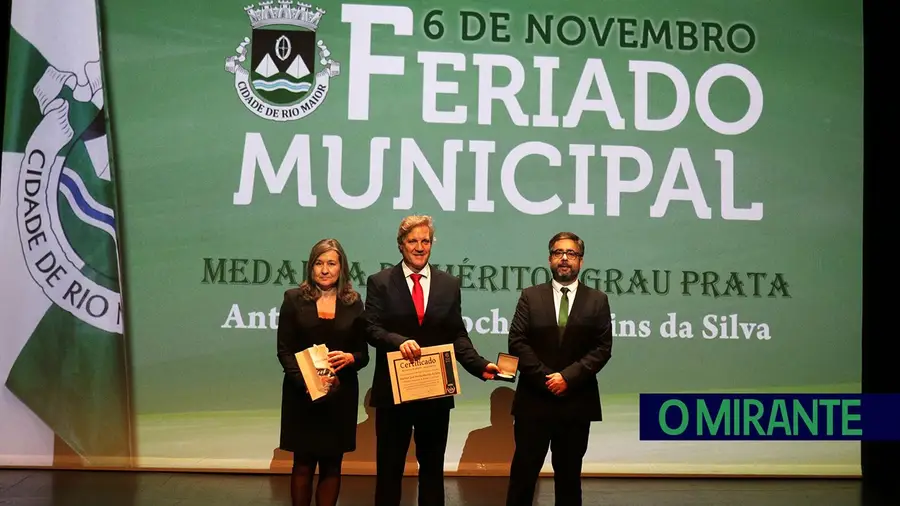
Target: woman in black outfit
(324,309)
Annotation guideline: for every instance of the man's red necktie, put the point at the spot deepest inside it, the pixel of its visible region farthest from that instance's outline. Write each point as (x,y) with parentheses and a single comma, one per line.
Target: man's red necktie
(418,296)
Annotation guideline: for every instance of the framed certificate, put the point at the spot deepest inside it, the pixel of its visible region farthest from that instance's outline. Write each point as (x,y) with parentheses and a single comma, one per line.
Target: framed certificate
(433,375)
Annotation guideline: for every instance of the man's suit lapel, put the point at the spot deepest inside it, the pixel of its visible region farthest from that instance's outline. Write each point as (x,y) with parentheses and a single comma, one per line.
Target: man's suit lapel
(547,305)
(437,284)
(401,290)
(577,307)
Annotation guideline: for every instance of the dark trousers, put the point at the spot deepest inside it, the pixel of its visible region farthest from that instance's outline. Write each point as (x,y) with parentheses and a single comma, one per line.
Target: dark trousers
(393,427)
(567,441)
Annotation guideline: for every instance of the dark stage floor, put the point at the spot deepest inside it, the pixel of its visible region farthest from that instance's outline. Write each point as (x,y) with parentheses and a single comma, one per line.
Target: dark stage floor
(105,488)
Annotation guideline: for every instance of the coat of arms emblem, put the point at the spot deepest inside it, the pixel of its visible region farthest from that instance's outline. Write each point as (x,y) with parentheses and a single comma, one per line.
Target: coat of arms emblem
(281,82)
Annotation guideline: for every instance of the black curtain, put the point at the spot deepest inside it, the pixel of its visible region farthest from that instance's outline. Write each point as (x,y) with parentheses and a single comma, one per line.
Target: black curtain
(880,466)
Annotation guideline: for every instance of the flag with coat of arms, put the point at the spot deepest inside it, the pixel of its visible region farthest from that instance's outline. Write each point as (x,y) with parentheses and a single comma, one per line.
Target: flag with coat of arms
(63,360)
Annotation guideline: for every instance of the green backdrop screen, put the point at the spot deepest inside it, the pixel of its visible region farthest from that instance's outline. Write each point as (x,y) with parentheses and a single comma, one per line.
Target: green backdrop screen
(708,153)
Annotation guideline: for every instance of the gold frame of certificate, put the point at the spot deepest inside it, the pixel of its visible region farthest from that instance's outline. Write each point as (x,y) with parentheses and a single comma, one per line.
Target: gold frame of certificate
(432,376)
(509,367)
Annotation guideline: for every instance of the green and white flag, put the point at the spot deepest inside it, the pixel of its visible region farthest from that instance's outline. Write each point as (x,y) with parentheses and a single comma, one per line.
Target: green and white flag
(62,352)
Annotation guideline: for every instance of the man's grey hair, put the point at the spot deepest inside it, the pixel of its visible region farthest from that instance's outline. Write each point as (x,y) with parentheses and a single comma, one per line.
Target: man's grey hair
(411,222)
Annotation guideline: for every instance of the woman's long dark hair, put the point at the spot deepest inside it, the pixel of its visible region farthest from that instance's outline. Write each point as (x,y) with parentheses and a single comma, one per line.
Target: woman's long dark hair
(345,292)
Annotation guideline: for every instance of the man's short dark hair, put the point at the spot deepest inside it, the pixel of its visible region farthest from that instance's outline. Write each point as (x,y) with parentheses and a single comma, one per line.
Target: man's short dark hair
(566,235)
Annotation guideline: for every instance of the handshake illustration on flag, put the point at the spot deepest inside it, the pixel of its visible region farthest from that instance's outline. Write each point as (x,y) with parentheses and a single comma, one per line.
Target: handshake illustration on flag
(317,372)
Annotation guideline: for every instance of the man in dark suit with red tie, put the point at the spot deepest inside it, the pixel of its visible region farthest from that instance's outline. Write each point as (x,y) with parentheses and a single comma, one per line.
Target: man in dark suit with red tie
(562,334)
(409,306)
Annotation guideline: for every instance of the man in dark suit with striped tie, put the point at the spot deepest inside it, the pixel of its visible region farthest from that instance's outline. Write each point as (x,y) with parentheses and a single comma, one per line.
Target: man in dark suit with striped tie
(409,306)
(562,335)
